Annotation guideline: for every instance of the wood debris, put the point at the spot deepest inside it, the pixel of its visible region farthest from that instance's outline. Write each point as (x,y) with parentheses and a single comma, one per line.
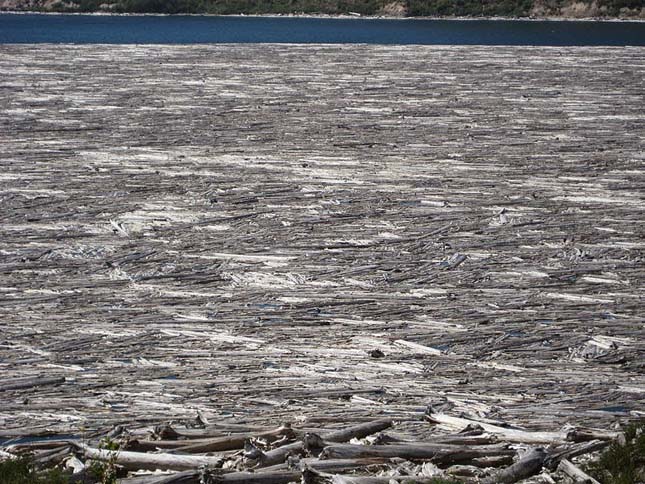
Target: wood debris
(225,238)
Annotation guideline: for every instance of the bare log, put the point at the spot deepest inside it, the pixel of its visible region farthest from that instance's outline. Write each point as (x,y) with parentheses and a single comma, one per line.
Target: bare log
(263,477)
(438,452)
(278,455)
(234,441)
(141,460)
(575,473)
(310,476)
(584,435)
(509,435)
(573,450)
(23,383)
(493,461)
(277,477)
(527,466)
(330,465)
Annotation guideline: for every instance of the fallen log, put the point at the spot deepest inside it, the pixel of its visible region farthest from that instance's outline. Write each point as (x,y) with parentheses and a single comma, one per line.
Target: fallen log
(195,477)
(310,476)
(493,461)
(527,466)
(576,474)
(140,460)
(277,477)
(184,477)
(278,455)
(330,465)
(234,441)
(573,450)
(29,383)
(145,445)
(357,431)
(508,434)
(446,454)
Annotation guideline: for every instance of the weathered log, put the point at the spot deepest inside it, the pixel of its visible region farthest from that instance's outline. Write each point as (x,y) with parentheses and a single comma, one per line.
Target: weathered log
(278,455)
(22,383)
(310,476)
(575,473)
(166,432)
(438,452)
(339,479)
(263,477)
(185,477)
(527,466)
(53,456)
(573,450)
(234,441)
(145,445)
(464,471)
(584,435)
(23,432)
(40,445)
(508,434)
(277,477)
(141,460)
(358,431)
(329,465)
(493,461)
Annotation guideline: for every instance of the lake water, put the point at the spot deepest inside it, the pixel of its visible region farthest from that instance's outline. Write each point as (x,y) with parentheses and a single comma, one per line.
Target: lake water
(187,29)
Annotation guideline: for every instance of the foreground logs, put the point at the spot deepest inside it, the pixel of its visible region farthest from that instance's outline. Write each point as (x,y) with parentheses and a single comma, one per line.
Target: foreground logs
(353,454)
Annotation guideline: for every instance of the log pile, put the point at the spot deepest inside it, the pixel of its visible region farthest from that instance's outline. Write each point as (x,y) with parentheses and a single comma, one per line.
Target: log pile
(368,453)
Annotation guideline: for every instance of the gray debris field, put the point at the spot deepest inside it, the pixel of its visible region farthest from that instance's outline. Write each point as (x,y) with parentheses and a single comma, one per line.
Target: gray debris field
(261,234)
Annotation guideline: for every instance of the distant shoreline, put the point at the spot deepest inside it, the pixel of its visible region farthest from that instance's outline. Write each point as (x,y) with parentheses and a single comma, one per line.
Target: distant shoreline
(332,16)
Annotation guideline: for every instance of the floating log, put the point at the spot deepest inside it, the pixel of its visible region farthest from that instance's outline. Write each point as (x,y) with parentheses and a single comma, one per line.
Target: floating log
(23,383)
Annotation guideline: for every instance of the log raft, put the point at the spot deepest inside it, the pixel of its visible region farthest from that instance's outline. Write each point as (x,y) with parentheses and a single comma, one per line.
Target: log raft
(230,238)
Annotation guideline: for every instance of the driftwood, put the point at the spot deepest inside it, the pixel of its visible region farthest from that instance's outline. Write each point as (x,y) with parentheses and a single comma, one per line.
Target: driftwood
(234,441)
(508,434)
(575,473)
(570,451)
(22,383)
(329,465)
(141,460)
(314,477)
(437,452)
(278,455)
(528,465)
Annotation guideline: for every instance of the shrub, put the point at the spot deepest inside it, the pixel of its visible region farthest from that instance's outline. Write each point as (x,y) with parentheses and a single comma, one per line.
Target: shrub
(622,463)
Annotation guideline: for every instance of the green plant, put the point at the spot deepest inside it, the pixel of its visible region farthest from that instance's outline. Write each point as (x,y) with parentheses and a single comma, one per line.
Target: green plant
(23,471)
(622,462)
(106,472)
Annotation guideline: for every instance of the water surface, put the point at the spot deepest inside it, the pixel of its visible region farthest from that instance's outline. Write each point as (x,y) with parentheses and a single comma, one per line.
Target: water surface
(196,29)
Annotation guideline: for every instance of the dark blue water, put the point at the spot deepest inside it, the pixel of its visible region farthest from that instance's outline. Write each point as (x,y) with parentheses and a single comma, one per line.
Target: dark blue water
(186,29)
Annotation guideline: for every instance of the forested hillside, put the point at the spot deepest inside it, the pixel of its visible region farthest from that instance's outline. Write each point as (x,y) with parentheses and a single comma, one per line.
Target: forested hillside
(441,8)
